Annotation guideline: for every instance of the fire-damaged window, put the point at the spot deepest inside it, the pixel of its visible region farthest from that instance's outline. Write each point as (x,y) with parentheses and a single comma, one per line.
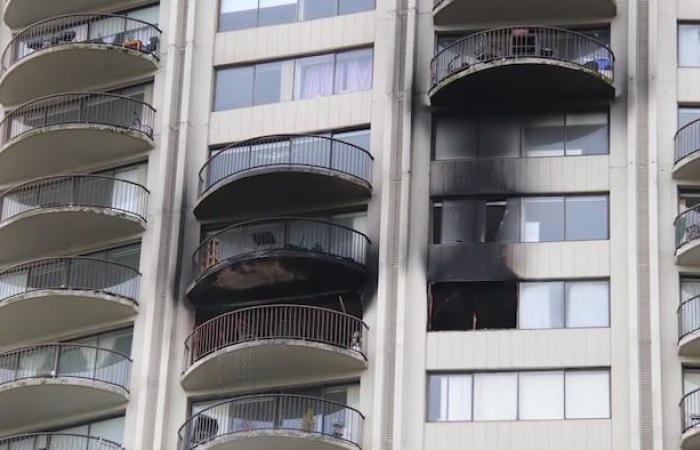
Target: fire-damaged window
(473,306)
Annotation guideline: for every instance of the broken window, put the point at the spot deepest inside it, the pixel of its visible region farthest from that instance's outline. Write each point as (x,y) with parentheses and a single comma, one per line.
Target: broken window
(473,306)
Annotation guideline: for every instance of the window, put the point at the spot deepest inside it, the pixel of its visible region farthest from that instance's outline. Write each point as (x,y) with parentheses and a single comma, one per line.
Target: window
(128,255)
(689,45)
(687,114)
(526,395)
(691,380)
(564,304)
(110,429)
(527,219)
(303,78)
(520,135)
(472,306)
(242,14)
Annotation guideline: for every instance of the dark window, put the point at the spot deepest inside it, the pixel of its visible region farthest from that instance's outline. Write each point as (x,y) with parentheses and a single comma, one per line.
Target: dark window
(473,306)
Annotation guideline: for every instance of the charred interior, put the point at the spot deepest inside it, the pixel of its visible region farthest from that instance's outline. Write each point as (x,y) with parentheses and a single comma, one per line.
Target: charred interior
(472,306)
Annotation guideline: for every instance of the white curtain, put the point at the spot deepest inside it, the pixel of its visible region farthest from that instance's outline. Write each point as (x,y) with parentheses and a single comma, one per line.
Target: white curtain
(541,305)
(459,404)
(587,304)
(541,395)
(588,394)
(314,77)
(353,71)
(495,396)
(689,45)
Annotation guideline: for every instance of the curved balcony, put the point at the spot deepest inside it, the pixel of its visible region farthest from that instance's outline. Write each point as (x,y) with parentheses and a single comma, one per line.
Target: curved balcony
(687,154)
(279,341)
(50,295)
(41,383)
(52,56)
(454,12)
(57,441)
(59,133)
(687,233)
(53,215)
(276,171)
(527,64)
(690,420)
(274,422)
(261,258)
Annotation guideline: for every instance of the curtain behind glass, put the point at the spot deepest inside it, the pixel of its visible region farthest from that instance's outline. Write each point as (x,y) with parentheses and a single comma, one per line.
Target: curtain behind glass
(587,394)
(541,395)
(353,71)
(587,304)
(541,305)
(689,45)
(495,396)
(314,77)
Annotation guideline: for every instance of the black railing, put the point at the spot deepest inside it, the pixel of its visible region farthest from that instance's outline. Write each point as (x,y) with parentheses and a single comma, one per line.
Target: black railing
(70,273)
(92,108)
(523,42)
(281,233)
(688,316)
(273,412)
(89,191)
(260,323)
(57,441)
(286,151)
(687,140)
(687,226)
(437,3)
(66,361)
(106,29)
(690,410)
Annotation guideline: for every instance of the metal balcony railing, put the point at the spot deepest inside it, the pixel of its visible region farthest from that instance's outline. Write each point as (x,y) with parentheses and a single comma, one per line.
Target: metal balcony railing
(688,317)
(281,233)
(89,191)
(690,410)
(56,441)
(687,226)
(273,412)
(523,42)
(286,151)
(261,323)
(106,29)
(92,108)
(70,273)
(66,361)
(687,140)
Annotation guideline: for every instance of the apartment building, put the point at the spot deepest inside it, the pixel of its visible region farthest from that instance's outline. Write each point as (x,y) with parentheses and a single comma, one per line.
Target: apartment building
(350,224)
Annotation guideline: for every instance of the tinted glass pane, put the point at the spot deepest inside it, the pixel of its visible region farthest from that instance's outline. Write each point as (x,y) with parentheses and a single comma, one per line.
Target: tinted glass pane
(687,115)
(353,71)
(586,218)
(354,6)
(238,14)
(455,137)
(499,137)
(544,136)
(268,83)
(543,219)
(316,9)
(587,304)
(274,12)
(234,88)
(689,45)
(587,134)
(314,76)
(541,305)
(360,138)
(111,429)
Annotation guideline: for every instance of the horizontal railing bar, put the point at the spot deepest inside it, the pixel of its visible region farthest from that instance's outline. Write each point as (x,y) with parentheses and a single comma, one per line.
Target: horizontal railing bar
(93,442)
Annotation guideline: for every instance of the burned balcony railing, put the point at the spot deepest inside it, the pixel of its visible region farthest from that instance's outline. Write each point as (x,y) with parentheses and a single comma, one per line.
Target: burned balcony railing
(88,191)
(286,151)
(63,361)
(272,414)
(687,226)
(104,29)
(515,43)
(70,273)
(261,323)
(282,233)
(57,441)
(91,108)
(687,141)
(688,317)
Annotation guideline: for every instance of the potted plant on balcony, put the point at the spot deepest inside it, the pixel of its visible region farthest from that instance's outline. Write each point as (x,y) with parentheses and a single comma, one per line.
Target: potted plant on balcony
(308,422)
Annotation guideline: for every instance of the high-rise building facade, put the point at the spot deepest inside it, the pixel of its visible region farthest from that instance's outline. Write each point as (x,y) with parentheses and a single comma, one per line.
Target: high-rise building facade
(350,224)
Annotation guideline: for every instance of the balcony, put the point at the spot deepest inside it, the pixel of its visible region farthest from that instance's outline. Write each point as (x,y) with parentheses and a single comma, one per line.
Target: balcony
(278,342)
(57,441)
(290,255)
(454,12)
(277,171)
(22,13)
(687,153)
(58,133)
(689,327)
(690,420)
(44,58)
(523,64)
(687,233)
(46,382)
(53,295)
(274,422)
(56,214)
